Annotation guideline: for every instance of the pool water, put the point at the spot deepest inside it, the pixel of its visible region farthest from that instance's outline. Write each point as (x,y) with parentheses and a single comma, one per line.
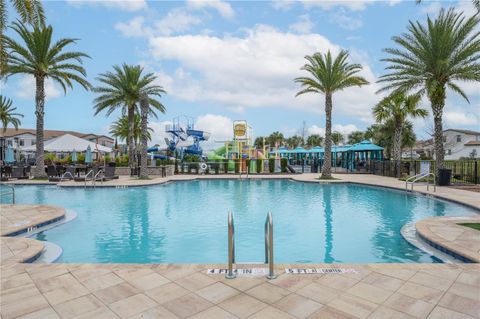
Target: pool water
(186,222)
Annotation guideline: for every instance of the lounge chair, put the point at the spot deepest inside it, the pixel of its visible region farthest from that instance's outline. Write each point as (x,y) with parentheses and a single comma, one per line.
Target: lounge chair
(109,173)
(69,172)
(18,173)
(52,173)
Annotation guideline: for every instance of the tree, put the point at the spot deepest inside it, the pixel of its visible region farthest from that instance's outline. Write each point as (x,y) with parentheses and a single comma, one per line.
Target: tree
(329,75)
(44,59)
(119,129)
(29,11)
(294,141)
(144,135)
(355,137)
(337,138)
(397,108)
(7,113)
(433,57)
(382,135)
(259,142)
(122,89)
(314,140)
(275,138)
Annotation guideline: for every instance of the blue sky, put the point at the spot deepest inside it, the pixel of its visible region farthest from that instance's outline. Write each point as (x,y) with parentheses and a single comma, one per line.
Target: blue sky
(222,61)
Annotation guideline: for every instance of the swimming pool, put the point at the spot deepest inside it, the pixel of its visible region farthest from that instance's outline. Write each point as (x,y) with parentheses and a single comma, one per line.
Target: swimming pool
(186,222)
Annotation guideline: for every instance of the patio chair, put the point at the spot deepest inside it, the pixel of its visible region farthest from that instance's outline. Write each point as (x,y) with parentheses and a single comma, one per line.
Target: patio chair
(52,174)
(19,173)
(69,173)
(110,173)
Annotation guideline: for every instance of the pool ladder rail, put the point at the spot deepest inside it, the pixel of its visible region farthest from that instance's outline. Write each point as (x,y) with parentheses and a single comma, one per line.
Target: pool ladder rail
(99,175)
(11,192)
(268,247)
(415,178)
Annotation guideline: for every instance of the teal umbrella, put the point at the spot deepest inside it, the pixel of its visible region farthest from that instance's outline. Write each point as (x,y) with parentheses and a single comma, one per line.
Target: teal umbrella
(88,155)
(74,156)
(9,158)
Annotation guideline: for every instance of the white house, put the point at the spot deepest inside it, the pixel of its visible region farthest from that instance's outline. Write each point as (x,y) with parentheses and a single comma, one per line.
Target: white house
(457,144)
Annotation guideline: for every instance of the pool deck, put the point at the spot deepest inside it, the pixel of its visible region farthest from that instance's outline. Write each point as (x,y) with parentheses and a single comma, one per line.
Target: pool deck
(187,291)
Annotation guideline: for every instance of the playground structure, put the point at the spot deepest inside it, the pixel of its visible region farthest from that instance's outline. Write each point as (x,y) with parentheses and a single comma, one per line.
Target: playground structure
(184,139)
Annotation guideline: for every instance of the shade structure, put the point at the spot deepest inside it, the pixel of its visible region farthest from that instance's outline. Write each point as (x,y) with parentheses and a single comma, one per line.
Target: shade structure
(68,143)
(298,150)
(88,155)
(74,156)
(316,149)
(9,158)
(365,145)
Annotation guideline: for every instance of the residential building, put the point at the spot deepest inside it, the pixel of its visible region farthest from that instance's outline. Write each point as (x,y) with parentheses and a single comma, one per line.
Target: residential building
(18,139)
(457,143)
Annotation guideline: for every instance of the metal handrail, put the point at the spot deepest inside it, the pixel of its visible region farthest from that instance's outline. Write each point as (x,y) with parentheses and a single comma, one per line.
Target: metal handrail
(85,181)
(63,175)
(94,181)
(9,193)
(269,246)
(231,247)
(411,180)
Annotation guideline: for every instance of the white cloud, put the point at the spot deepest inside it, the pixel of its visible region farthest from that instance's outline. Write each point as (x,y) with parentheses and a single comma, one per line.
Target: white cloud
(223,8)
(430,8)
(460,118)
(133,28)
(283,5)
(304,24)
(27,88)
(345,21)
(353,5)
(159,134)
(343,129)
(177,20)
(256,70)
(125,5)
(220,128)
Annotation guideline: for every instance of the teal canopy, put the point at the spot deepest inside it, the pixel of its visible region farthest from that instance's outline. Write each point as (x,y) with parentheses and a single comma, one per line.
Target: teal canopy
(364,146)
(298,150)
(88,155)
(9,158)
(316,149)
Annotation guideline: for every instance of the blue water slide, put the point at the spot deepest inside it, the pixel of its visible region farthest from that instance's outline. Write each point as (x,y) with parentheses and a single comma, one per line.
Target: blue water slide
(201,135)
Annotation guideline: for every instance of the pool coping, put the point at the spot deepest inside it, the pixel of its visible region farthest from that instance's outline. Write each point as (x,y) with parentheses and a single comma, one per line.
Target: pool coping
(431,240)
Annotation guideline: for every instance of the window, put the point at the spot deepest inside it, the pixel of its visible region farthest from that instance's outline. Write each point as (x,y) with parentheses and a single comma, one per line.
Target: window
(22,142)
(10,143)
(449,152)
(34,142)
(459,138)
(444,139)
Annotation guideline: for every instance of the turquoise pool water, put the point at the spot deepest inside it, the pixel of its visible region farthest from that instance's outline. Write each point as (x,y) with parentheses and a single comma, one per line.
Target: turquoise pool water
(186,222)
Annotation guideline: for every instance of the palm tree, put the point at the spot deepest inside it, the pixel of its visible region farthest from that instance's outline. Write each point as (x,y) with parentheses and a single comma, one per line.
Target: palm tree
(276,138)
(120,128)
(294,141)
(382,135)
(44,59)
(29,11)
(337,138)
(355,137)
(329,75)
(432,57)
(398,108)
(314,140)
(122,90)
(7,113)
(144,107)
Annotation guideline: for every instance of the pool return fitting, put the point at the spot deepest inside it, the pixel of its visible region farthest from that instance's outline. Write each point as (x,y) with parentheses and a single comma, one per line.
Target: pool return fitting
(268,246)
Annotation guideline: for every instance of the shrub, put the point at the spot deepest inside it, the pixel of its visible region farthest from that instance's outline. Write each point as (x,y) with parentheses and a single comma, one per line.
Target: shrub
(259,165)
(271,165)
(237,166)
(50,158)
(283,165)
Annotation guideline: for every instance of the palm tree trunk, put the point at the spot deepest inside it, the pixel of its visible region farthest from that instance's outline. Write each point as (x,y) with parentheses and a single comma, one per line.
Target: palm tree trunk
(39,171)
(437,100)
(144,139)
(327,163)
(397,146)
(130,137)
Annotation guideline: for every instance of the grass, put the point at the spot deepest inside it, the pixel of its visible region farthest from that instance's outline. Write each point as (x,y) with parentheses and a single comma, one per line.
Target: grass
(475,226)
(40,179)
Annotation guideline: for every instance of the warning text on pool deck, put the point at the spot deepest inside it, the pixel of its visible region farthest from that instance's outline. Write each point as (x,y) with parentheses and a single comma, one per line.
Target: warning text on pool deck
(293,271)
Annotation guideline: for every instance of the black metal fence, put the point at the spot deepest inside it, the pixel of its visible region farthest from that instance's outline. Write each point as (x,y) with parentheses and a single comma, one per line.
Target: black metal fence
(463,171)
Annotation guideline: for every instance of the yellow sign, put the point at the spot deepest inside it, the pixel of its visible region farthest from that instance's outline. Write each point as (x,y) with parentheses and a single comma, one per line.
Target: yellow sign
(240,129)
